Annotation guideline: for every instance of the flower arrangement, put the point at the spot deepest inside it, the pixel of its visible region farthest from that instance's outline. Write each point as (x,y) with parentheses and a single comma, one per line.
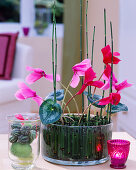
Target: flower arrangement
(50,111)
(77,139)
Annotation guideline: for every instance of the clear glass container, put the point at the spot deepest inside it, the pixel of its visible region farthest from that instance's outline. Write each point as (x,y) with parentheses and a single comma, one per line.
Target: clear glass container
(24,140)
(75,145)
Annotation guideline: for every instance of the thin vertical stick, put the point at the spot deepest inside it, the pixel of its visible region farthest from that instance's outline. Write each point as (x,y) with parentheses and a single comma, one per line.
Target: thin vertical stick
(111,68)
(53,47)
(105,45)
(81,48)
(86,29)
(55,62)
(93,47)
(92,63)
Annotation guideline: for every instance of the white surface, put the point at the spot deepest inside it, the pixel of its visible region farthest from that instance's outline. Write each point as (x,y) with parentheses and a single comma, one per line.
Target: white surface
(8,102)
(127,67)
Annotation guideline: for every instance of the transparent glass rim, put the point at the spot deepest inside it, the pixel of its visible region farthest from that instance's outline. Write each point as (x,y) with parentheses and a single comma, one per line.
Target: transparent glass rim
(110,124)
(119,142)
(11,118)
(98,126)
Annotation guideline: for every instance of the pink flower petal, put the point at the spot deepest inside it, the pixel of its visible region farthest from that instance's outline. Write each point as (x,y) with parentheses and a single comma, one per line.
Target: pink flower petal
(122,85)
(106,85)
(97,84)
(105,101)
(89,75)
(50,77)
(115,98)
(19,95)
(82,66)
(31,78)
(38,70)
(75,81)
(38,100)
(25,91)
(106,50)
(116,54)
(82,89)
(19,116)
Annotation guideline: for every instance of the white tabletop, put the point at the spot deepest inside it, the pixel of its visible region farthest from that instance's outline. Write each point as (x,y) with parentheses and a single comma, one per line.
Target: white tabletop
(41,164)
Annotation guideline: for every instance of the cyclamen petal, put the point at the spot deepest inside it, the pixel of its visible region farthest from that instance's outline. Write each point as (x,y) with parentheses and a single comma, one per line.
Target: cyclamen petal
(115,98)
(122,85)
(89,75)
(50,77)
(38,100)
(107,55)
(75,80)
(104,101)
(19,95)
(97,84)
(82,89)
(31,78)
(79,69)
(19,116)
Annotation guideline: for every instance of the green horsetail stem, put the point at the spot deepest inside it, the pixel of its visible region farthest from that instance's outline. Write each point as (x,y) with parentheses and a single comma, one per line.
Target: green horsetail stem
(53,46)
(86,28)
(105,46)
(111,68)
(92,61)
(55,62)
(81,58)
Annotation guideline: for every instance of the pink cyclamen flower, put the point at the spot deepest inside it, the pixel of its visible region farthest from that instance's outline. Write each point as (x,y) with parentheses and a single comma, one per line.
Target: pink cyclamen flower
(79,70)
(107,55)
(107,77)
(19,116)
(25,92)
(90,75)
(38,73)
(122,85)
(114,99)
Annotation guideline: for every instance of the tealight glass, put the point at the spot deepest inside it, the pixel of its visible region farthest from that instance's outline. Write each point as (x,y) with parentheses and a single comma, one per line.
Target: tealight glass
(24,140)
(118,150)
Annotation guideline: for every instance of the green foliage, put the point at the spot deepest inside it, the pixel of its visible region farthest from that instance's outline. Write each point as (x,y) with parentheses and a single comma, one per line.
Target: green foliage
(93,99)
(49,112)
(118,108)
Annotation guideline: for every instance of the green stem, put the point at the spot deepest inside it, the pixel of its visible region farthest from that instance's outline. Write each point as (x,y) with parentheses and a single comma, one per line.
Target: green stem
(55,61)
(86,29)
(89,92)
(81,58)
(111,67)
(53,49)
(71,96)
(65,93)
(105,46)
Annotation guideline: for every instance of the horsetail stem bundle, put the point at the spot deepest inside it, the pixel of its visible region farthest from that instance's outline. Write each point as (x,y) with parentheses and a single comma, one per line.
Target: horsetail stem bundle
(111,66)
(54,65)
(105,42)
(81,58)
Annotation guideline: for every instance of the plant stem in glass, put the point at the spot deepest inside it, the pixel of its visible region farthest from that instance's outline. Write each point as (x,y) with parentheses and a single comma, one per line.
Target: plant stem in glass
(81,3)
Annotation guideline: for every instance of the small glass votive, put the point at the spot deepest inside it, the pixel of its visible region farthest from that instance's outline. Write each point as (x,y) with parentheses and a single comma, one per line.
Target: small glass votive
(118,150)
(23,140)
(26,31)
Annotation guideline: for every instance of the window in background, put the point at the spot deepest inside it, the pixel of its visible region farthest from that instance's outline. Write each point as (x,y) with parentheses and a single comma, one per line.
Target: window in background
(44,14)
(9,11)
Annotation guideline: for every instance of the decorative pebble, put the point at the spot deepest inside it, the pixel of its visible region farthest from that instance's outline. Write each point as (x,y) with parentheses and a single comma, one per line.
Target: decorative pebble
(36,127)
(23,139)
(21,150)
(13,139)
(15,132)
(25,130)
(16,126)
(32,134)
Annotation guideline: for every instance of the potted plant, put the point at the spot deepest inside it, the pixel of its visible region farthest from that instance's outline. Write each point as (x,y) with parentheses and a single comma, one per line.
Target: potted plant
(81,138)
